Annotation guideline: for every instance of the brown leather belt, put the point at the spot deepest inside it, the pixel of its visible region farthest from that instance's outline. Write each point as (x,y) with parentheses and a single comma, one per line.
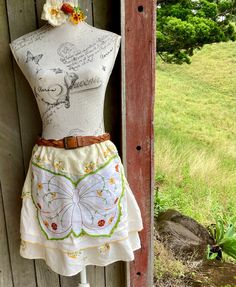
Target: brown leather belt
(72,142)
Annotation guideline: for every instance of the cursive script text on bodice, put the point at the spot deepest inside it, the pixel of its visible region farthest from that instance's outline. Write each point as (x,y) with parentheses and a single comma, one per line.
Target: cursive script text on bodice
(68,69)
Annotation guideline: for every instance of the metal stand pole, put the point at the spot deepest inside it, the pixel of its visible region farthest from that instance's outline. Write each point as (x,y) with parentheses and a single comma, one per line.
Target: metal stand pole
(83,279)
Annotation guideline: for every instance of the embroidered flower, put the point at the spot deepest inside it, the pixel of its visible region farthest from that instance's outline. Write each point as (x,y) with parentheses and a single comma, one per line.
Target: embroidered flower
(104,249)
(59,165)
(74,254)
(52,13)
(89,167)
(40,186)
(101,222)
(46,223)
(110,219)
(99,192)
(37,158)
(112,180)
(25,194)
(106,153)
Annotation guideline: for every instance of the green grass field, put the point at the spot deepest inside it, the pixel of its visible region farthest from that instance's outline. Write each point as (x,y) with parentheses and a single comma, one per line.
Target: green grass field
(195,134)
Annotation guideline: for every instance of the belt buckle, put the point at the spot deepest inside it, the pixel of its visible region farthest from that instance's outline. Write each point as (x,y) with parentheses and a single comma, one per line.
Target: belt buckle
(70,142)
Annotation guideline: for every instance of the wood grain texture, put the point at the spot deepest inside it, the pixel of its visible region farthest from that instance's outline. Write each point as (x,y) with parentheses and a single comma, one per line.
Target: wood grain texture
(139,102)
(11,160)
(45,276)
(115,275)
(5,263)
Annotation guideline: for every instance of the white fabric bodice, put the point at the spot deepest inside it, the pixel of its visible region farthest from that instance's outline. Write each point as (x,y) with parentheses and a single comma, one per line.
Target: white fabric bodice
(68,68)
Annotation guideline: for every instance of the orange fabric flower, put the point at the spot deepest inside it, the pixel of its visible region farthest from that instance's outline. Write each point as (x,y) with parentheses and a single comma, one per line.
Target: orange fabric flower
(67,8)
(77,17)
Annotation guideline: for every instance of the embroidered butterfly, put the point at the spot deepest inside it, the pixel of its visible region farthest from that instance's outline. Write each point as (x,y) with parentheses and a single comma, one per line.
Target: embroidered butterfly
(91,206)
(35,59)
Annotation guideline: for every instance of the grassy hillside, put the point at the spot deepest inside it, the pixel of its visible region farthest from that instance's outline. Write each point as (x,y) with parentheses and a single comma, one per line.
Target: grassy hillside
(195,134)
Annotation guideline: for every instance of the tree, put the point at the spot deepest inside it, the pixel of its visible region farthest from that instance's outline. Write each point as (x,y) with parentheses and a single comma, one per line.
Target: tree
(187,25)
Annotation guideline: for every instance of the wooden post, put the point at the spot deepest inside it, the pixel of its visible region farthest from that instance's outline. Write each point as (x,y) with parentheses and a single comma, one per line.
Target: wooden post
(138,102)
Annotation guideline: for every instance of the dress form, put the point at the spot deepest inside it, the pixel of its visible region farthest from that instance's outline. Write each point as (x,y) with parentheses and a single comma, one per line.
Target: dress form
(81,57)
(71,52)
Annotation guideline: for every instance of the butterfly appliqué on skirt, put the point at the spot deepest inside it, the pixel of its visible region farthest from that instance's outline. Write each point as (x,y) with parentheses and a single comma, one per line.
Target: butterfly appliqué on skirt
(90,206)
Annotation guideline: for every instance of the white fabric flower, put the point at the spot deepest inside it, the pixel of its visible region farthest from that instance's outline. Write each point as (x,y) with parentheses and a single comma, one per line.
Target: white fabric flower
(53,14)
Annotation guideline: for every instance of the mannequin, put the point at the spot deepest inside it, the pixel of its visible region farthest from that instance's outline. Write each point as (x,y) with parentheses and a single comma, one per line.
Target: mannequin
(81,58)
(68,68)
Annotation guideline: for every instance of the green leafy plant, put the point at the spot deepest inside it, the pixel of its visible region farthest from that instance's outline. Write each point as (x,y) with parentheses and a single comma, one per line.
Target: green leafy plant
(184,26)
(159,202)
(225,240)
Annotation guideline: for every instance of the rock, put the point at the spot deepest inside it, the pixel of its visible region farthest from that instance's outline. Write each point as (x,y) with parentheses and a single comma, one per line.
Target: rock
(183,235)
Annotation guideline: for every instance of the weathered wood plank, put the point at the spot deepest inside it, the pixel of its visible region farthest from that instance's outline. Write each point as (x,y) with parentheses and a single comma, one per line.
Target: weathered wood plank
(96,276)
(11,163)
(139,101)
(115,275)
(45,276)
(5,264)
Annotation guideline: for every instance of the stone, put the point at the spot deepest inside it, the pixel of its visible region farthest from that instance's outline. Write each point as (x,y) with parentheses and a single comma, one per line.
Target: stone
(183,235)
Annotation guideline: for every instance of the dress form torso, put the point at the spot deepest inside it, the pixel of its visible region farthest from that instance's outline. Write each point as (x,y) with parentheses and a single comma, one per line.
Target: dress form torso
(68,68)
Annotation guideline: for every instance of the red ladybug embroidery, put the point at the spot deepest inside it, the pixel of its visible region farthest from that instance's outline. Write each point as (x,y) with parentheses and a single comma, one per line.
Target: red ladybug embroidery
(101,222)
(54,226)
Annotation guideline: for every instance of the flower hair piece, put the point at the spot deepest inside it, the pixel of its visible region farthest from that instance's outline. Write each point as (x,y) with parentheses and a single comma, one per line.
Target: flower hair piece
(57,13)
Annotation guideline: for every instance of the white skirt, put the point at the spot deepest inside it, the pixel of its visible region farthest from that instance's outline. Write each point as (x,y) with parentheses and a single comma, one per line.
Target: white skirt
(78,209)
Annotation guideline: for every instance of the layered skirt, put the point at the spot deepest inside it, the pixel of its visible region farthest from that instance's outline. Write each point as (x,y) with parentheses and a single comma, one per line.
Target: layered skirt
(78,208)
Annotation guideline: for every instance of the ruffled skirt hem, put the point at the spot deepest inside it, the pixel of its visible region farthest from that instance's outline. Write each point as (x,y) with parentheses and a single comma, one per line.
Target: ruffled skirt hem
(70,263)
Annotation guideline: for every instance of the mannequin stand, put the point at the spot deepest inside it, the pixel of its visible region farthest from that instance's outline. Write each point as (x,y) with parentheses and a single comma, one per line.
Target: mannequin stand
(83,279)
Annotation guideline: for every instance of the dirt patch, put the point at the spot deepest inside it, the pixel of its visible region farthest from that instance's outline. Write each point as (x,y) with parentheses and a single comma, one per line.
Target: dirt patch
(219,274)
(171,272)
